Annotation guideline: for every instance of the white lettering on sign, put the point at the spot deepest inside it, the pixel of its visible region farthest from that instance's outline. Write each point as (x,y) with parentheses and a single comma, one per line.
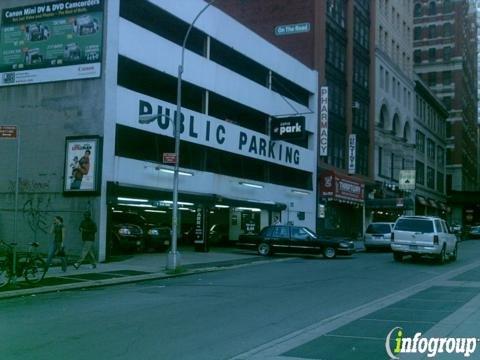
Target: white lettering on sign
(297,128)
(323,121)
(349,187)
(352,152)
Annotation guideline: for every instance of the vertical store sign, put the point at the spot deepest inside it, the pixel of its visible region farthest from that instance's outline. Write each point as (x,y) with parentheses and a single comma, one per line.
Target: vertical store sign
(352,151)
(323,121)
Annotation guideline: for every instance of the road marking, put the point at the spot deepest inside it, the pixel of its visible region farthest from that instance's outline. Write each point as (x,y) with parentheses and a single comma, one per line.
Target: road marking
(274,348)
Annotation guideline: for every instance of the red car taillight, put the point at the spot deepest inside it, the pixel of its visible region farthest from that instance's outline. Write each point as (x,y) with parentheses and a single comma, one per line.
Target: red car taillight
(435,239)
(392,237)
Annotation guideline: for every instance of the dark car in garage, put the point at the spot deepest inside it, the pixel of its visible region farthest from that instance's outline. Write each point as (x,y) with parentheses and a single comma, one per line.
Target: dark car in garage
(294,239)
(131,231)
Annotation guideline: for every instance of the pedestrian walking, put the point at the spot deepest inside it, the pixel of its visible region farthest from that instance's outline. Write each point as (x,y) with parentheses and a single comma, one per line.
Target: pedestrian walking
(57,247)
(88,228)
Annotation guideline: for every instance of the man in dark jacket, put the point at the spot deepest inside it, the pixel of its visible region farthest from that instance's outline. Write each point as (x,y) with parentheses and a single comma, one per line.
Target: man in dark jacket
(88,228)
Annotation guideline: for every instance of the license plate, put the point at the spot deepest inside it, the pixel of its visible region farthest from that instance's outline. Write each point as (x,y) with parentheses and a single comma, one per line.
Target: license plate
(378,237)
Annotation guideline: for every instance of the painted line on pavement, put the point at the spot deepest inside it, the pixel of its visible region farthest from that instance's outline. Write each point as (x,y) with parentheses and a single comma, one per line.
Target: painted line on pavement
(273,349)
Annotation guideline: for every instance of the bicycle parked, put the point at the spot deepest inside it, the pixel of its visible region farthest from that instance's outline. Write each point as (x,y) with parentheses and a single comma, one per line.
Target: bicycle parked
(29,264)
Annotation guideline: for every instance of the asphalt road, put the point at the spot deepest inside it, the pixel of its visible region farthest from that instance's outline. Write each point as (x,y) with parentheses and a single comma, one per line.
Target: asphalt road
(215,315)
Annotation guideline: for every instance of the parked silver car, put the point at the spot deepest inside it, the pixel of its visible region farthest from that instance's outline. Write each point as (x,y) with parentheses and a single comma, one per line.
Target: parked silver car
(378,235)
(423,235)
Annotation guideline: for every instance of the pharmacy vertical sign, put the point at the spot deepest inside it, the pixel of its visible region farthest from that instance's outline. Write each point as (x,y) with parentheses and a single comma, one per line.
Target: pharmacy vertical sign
(324,121)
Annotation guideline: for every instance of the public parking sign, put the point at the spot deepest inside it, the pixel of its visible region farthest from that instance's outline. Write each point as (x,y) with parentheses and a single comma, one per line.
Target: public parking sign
(8,131)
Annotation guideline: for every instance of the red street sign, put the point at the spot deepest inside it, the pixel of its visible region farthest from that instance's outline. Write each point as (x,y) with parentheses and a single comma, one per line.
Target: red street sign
(8,131)
(169,158)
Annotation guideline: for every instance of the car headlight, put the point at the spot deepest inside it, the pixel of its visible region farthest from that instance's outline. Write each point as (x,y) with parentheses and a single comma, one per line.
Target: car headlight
(342,244)
(124,231)
(153,232)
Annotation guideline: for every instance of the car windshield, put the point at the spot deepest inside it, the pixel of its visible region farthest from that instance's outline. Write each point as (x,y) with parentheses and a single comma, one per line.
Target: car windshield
(378,229)
(417,225)
(310,232)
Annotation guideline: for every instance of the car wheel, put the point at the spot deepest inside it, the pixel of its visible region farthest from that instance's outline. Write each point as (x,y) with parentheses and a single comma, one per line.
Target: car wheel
(264,249)
(453,257)
(397,256)
(329,252)
(442,258)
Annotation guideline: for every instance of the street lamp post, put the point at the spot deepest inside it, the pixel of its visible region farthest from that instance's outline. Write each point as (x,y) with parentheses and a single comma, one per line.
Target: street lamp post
(173,258)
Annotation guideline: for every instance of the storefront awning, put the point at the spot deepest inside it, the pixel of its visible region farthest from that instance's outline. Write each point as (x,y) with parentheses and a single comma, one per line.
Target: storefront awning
(422,200)
(390,203)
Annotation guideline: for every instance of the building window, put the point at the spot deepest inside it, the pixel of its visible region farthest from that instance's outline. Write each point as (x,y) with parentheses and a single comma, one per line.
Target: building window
(360,72)
(432,54)
(420,172)
(335,52)
(440,157)
(430,177)
(432,79)
(440,183)
(431,150)
(392,166)
(382,77)
(447,6)
(362,156)
(387,81)
(431,31)
(447,53)
(417,33)
(336,11)
(380,158)
(417,56)
(447,101)
(447,77)
(336,99)
(420,140)
(447,29)
(360,116)
(336,149)
(432,8)
(417,12)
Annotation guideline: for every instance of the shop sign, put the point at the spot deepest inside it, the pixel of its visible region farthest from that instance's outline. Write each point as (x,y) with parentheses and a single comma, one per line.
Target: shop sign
(321,211)
(52,41)
(8,132)
(291,29)
(323,121)
(199,226)
(336,186)
(153,115)
(406,180)
(352,153)
(288,128)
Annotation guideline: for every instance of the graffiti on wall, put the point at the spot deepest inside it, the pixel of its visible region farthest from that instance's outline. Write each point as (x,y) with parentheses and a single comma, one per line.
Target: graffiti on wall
(35,212)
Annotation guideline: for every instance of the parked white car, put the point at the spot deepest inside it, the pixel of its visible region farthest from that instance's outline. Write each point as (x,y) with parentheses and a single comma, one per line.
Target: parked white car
(423,236)
(378,235)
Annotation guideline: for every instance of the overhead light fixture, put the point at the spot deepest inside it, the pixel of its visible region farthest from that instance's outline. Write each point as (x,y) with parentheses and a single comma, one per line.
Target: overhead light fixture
(117,211)
(300,192)
(184,208)
(131,199)
(222,206)
(256,186)
(170,202)
(156,211)
(170,171)
(249,209)
(136,205)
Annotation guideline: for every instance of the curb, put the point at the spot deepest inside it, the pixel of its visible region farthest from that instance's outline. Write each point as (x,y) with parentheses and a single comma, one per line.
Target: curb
(129,279)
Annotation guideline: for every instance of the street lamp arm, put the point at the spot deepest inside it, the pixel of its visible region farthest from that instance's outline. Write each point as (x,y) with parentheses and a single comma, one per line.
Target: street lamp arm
(190,29)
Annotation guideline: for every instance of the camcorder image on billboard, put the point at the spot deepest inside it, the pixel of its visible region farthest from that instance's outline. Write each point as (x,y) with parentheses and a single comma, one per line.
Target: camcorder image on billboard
(51,42)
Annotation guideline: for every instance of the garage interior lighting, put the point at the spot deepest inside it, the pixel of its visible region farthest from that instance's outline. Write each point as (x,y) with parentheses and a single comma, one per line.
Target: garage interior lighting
(156,211)
(170,202)
(256,186)
(222,206)
(132,199)
(248,208)
(300,192)
(169,171)
(184,209)
(117,211)
(136,205)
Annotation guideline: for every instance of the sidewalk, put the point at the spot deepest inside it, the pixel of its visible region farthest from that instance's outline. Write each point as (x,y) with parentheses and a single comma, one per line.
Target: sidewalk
(138,267)
(131,268)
